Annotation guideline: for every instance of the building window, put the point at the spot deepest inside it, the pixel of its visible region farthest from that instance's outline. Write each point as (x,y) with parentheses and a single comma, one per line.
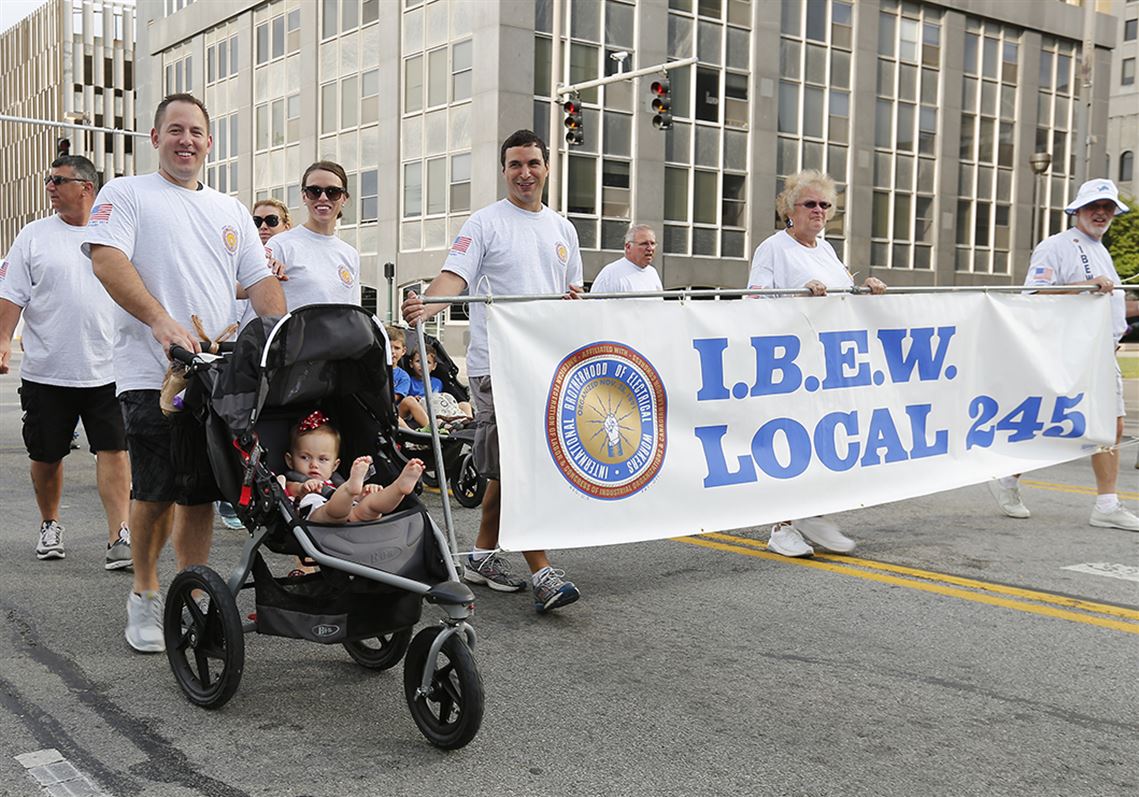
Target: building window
(1127,75)
(1055,126)
(1129,30)
(987,149)
(222,60)
(1126,166)
(221,163)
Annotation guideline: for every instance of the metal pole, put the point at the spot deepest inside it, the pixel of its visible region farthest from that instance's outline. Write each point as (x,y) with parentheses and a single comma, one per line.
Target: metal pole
(553,182)
(645,70)
(1083,119)
(436,446)
(71,126)
(699,293)
(1035,211)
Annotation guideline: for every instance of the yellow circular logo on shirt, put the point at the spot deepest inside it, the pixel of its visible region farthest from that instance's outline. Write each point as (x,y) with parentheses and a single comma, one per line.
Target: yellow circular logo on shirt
(229,238)
(563,252)
(345,276)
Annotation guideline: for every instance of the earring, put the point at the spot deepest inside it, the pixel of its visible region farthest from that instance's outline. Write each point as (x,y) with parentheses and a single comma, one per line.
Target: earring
(789,225)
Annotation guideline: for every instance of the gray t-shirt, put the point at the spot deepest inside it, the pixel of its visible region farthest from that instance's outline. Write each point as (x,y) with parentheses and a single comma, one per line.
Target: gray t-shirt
(625,276)
(189,247)
(69,320)
(503,249)
(320,268)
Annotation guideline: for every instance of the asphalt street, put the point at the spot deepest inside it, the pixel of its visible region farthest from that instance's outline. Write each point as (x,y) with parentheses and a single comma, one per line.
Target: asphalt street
(955,653)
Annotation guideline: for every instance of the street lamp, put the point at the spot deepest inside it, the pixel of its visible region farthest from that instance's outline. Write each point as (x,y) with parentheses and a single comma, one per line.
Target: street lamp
(1039,161)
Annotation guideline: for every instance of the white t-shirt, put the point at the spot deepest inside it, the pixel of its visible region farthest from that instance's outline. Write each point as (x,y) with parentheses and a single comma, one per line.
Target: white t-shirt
(1073,256)
(625,276)
(69,320)
(189,247)
(320,268)
(782,262)
(505,250)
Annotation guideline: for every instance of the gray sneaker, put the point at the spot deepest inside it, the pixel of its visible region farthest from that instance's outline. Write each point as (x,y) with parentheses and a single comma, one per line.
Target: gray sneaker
(144,622)
(552,591)
(50,545)
(493,571)
(1118,518)
(119,552)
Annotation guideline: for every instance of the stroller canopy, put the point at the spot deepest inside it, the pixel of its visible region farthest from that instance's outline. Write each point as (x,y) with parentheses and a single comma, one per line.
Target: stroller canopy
(314,352)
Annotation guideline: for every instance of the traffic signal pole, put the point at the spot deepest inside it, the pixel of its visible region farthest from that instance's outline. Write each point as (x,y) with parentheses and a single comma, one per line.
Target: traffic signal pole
(645,70)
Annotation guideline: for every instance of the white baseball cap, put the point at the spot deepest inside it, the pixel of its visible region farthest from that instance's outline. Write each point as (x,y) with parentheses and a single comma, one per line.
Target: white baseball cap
(1094,191)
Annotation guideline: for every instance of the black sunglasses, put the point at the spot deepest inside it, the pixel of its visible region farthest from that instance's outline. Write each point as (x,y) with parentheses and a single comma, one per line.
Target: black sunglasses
(811,204)
(58,180)
(272,221)
(334,192)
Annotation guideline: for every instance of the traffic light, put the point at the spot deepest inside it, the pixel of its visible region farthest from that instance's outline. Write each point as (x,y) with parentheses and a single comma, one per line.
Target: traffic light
(575,127)
(662,103)
(63,147)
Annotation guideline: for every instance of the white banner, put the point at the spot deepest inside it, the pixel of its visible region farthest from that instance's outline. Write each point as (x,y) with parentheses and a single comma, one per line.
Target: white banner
(624,420)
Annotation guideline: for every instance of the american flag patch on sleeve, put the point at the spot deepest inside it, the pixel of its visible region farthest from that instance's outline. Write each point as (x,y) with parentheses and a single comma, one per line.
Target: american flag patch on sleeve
(3,269)
(461,245)
(100,214)
(1041,274)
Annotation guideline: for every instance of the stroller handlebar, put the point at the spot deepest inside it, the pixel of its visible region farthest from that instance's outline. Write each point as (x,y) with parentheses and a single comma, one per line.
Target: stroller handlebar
(187,357)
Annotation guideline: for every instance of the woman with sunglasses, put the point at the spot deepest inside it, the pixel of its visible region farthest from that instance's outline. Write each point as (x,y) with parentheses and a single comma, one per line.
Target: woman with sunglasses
(270,217)
(799,257)
(318,267)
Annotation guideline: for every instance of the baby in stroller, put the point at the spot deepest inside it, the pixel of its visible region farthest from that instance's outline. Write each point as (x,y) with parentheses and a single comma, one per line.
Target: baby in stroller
(322,495)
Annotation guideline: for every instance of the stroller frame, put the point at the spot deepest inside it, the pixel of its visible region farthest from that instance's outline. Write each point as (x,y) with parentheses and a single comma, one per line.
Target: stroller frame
(446,701)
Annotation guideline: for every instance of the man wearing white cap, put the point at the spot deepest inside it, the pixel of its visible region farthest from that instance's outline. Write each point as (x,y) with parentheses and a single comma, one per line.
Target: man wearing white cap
(1077,256)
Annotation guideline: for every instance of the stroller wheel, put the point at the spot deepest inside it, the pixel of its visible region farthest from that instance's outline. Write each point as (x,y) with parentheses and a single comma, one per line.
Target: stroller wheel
(205,643)
(450,714)
(381,652)
(466,484)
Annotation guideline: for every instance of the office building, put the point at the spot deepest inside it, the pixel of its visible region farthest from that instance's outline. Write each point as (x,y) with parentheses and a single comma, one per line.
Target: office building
(68,61)
(926,113)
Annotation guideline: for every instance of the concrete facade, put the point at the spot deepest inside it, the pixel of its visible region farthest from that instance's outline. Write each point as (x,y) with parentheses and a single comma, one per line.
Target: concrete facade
(926,113)
(68,60)
(1123,123)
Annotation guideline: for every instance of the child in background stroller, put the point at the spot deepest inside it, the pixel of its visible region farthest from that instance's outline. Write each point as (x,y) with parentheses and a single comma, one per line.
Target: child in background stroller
(373,576)
(466,484)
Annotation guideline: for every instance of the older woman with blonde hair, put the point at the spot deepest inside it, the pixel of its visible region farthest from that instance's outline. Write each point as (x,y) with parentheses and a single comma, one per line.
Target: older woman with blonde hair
(799,257)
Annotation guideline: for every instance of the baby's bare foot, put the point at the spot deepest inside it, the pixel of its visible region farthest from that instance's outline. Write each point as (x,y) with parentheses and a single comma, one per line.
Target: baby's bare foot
(410,476)
(357,475)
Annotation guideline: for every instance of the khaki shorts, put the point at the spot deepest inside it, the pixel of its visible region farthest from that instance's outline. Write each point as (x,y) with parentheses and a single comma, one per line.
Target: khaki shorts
(1120,407)
(486,428)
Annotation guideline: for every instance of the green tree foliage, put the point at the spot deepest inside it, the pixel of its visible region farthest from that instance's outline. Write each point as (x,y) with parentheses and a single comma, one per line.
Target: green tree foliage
(1122,240)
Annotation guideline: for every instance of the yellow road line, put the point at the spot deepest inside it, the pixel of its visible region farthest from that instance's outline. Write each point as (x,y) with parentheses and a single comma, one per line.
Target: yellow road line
(923,586)
(932,575)
(1072,488)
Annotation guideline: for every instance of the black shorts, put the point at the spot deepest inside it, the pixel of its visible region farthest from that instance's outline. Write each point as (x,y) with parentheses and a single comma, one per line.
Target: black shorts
(169,459)
(51,412)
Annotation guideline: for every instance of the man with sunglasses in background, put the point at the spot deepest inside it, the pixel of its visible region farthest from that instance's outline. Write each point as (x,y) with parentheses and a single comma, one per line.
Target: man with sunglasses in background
(66,373)
(1077,256)
(167,247)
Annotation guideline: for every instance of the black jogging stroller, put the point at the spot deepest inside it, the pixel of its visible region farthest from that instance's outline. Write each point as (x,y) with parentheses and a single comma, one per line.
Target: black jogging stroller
(373,577)
(466,484)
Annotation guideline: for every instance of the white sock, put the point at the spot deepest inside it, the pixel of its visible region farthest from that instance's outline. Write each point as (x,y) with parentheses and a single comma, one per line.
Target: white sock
(478,554)
(540,574)
(1106,502)
(1008,482)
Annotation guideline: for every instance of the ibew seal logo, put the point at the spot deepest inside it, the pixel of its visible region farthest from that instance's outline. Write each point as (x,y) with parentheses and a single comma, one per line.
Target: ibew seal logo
(606,420)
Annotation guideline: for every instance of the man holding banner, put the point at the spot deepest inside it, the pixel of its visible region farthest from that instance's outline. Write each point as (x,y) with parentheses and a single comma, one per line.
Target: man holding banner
(1077,256)
(515,246)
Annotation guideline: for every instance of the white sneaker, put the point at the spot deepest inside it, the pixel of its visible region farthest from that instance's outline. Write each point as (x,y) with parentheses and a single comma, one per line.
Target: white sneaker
(144,622)
(824,533)
(786,541)
(1008,499)
(50,545)
(1118,518)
